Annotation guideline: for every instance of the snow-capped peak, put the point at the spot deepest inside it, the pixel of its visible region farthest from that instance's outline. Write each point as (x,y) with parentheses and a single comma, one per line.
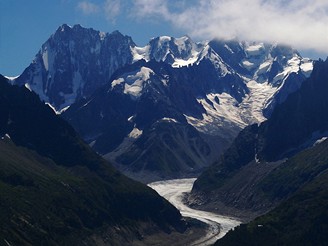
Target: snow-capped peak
(174,51)
(75,61)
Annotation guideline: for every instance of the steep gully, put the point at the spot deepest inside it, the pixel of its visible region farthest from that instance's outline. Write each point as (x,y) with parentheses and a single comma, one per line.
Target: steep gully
(174,190)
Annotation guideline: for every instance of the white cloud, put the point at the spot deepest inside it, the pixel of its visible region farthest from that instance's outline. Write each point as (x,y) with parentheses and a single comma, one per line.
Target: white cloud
(112,9)
(88,7)
(300,23)
(109,8)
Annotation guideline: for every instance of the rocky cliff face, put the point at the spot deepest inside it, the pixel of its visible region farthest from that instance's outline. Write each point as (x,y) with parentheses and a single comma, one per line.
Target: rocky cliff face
(74,62)
(115,90)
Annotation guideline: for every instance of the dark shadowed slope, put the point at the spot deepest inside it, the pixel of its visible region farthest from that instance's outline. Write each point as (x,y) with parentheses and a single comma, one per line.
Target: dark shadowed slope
(56,191)
(303,218)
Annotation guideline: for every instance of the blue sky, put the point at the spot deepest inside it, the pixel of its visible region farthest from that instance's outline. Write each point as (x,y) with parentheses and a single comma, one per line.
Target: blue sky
(26,25)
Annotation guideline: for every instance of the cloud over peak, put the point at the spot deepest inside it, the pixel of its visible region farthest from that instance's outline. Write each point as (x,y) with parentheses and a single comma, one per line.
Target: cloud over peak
(300,23)
(109,8)
(88,7)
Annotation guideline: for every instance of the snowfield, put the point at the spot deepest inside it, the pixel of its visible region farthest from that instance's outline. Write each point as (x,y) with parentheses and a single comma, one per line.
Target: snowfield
(173,191)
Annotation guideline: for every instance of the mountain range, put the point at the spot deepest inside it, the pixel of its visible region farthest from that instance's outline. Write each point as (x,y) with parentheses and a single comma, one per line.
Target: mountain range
(55,190)
(280,163)
(250,116)
(167,109)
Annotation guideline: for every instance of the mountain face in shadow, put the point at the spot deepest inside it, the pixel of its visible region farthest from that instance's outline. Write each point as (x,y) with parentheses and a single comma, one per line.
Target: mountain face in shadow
(55,190)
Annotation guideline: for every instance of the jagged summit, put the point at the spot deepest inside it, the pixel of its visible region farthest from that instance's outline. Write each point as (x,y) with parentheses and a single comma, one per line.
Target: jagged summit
(74,62)
(156,108)
(214,88)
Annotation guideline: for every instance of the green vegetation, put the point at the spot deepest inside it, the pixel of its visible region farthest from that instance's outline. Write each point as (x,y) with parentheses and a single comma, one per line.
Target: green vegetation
(294,173)
(300,220)
(241,152)
(293,126)
(300,184)
(298,119)
(43,203)
(54,190)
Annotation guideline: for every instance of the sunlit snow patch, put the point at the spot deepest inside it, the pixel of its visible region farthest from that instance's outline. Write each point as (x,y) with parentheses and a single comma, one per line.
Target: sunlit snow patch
(189,61)
(221,112)
(6,136)
(319,141)
(248,65)
(134,82)
(135,133)
(139,53)
(188,52)
(57,111)
(117,82)
(255,50)
(27,86)
(48,58)
(264,67)
(11,77)
(295,65)
(306,67)
(169,120)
